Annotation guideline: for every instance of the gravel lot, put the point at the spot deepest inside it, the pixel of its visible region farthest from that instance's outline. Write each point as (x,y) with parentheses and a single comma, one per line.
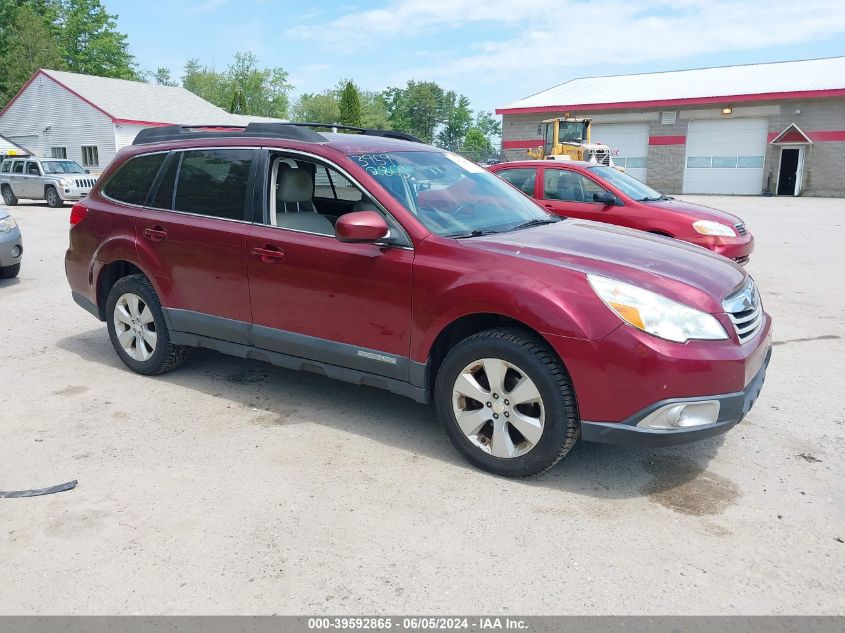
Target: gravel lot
(233,487)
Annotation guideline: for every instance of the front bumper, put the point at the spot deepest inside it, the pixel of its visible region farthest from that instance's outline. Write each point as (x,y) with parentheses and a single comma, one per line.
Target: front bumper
(737,248)
(72,194)
(11,248)
(733,407)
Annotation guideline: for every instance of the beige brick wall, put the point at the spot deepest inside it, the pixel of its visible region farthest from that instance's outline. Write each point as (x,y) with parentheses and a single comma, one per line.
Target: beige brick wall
(824,168)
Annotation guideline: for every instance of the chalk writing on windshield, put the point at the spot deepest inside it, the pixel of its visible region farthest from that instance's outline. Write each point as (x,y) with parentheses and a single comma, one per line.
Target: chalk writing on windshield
(380,165)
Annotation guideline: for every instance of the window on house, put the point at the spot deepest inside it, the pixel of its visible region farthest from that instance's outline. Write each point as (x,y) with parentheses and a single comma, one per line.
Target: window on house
(59,152)
(90,156)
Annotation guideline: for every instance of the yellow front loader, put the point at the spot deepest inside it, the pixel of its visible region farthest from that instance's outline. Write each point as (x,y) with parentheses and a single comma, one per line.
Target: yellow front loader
(568,138)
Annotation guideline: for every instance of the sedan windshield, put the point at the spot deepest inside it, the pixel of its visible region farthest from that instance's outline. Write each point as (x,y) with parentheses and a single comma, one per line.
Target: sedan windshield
(450,195)
(62,167)
(628,185)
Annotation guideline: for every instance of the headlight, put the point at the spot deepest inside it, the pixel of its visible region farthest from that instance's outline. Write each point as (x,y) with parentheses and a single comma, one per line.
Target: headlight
(656,314)
(65,182)
(7,224)
(708,227)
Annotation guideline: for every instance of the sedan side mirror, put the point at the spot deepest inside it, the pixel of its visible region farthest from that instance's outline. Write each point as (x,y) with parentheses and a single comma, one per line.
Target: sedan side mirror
(605,198)
(361,226)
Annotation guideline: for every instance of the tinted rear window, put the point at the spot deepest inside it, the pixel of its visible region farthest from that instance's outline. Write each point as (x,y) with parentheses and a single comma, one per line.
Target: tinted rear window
(132,182)
(214,182)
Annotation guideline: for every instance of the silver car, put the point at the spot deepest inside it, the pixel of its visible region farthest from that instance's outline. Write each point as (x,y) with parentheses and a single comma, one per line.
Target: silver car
(55,180)
(11,246)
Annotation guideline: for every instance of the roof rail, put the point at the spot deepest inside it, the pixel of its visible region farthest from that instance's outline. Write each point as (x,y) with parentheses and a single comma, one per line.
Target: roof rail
(402,136)
(254,130)
(293,131)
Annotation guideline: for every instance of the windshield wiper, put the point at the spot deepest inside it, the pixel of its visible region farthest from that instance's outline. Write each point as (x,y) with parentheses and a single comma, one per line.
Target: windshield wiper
(536,222)
(658,199)
(475,233)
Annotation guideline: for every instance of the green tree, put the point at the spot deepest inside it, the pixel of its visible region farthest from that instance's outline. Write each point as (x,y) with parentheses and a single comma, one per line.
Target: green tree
(349,105)
(417,108)
(29,47)
(476,146)
(374,112)
(457,120)
(162,77)
(90,42)
(322,107)
(489,124)
(207,83)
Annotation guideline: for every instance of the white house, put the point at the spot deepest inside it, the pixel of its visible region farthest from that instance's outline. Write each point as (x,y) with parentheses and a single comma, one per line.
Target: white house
(88,119)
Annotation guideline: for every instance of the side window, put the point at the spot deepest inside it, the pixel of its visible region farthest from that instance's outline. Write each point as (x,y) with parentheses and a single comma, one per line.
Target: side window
(568,186)
(18,167)
(329,183)
(131,183)
(163,196)
(32,168)
(520,178)
(6,167)
(214,182)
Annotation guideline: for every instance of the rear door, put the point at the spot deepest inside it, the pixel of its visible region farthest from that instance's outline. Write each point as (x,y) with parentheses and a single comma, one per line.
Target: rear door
(16,178)
(569,193)
(192,233)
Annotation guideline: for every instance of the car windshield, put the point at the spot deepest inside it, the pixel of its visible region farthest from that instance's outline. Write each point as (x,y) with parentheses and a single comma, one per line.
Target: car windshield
(62,167)
(450,195)
(628,185)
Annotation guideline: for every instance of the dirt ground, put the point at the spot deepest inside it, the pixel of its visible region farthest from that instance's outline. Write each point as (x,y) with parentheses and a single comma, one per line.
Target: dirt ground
(233,487)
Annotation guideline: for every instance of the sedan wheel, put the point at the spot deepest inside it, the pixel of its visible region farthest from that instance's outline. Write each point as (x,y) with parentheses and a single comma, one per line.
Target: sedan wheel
(135,327)
(498,408)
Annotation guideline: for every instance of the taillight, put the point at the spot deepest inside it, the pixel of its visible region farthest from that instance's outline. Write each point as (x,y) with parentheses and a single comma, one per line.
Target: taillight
(78,213)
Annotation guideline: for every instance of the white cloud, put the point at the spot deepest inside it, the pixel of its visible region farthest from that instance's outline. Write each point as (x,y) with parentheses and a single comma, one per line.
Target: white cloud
(548,35)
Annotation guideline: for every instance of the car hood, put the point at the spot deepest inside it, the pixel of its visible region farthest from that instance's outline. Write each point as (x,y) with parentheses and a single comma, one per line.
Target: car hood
(695,211)
(684,272)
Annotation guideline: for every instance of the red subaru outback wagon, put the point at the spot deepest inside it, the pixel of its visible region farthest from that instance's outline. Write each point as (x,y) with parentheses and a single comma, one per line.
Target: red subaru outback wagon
(604,194)
(377,260)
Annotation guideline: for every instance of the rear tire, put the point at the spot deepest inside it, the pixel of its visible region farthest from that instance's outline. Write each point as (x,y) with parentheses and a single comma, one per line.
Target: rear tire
(137,328)
(53,199)
(9,197)
(10,272)
(523,417)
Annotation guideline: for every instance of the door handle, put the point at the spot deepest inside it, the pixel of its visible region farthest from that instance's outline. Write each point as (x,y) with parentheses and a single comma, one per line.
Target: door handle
(155,234)
(269,254)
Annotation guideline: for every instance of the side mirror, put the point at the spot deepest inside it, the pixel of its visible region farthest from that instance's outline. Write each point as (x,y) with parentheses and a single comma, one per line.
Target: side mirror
(361,226)
(605,198)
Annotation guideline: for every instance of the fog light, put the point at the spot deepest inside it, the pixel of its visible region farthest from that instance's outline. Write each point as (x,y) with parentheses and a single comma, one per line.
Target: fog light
(67,190)
(16,251)
(682,415)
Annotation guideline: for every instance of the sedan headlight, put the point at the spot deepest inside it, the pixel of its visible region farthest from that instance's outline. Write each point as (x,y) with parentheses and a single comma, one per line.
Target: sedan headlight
(7,224)
(708,227)
(656,314)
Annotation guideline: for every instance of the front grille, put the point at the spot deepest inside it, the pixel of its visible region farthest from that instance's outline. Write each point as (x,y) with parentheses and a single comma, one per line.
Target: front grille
(742,260)
(745,311)
(85,182)
(740,228)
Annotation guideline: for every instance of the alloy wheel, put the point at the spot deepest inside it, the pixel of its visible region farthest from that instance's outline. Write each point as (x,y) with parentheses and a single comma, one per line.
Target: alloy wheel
(134,325)
(498,408)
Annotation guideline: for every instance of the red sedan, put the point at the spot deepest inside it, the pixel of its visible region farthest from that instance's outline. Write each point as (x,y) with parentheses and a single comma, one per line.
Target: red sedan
(604,194)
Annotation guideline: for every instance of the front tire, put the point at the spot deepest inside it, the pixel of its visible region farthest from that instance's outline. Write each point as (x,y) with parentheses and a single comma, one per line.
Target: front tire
(137,328)
(507,403)
(53,199)
(10,272)
(9,197)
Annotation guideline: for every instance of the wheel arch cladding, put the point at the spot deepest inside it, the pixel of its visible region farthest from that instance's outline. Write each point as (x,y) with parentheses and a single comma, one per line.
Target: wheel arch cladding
(109,275)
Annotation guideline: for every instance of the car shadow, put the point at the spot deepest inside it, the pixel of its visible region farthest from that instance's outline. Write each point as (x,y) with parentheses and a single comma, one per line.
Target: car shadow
(6,283)
(274,395)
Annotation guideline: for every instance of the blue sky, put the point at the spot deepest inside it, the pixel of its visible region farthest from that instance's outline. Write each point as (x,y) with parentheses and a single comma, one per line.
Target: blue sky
(494,51)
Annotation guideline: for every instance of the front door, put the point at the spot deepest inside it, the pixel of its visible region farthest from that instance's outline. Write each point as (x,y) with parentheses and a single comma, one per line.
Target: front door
(31,183)
(317,298)
(193,234)
(570,194)
(788,173)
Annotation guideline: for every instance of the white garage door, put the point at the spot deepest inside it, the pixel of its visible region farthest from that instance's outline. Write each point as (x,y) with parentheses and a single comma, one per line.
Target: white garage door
(628,144)
(725,156)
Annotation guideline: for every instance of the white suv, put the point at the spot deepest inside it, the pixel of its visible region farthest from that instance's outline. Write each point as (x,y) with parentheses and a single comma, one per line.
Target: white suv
(55,180)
